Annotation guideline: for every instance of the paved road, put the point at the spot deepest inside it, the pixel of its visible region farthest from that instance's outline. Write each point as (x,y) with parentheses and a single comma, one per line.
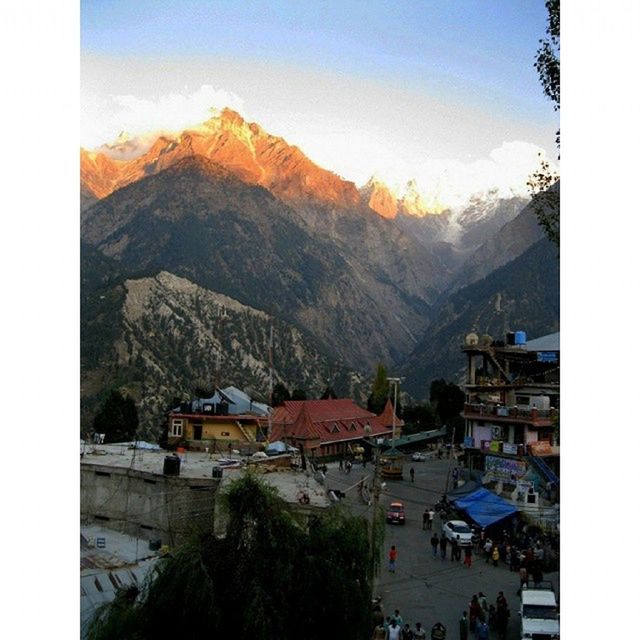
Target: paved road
(428,589)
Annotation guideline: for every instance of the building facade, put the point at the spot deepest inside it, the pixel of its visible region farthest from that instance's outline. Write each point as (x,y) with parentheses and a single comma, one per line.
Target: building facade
(511,411)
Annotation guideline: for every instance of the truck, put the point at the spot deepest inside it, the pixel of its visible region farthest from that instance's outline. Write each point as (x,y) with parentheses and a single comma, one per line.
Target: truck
(539,614)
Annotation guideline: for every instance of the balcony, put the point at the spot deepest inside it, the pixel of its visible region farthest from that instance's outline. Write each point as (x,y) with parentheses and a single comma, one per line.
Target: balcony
(534,417)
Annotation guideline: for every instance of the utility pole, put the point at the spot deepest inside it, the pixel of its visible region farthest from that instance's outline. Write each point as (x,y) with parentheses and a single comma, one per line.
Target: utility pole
(376,499)
(395,382)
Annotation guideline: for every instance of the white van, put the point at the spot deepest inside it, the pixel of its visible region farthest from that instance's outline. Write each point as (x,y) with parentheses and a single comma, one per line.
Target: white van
(539,616)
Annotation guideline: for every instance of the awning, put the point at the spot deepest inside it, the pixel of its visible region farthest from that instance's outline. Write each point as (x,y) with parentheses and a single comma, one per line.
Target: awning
(485,507)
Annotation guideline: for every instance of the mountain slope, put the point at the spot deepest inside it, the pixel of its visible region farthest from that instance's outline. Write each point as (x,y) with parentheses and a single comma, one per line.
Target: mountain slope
(522,295)
(199,221)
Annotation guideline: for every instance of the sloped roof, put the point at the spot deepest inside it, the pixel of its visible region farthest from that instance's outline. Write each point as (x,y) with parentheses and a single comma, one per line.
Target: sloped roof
(549,342)
(387,416)
(331,420)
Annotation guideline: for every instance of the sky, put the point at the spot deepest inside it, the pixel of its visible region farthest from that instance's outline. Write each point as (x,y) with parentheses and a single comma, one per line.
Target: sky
(442,92)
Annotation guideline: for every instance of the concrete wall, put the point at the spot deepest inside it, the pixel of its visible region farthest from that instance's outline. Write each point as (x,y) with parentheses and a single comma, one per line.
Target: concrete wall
(146,505)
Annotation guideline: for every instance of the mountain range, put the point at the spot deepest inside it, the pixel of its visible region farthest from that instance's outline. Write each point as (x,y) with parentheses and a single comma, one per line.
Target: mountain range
(227,215)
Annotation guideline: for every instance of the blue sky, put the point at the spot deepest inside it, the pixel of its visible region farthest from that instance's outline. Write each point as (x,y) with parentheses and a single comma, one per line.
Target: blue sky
(466,67)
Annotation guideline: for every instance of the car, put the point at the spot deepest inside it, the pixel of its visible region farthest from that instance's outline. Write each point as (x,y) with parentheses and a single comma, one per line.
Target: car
(419,457)
(395,513)
(458,530)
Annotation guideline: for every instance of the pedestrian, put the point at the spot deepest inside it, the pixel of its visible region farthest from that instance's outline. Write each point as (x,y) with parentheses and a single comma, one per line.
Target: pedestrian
(467,556)
(379,632)
(419,633)
(407,634)
(536,574)
(502,615)
(376,617)
(482,632)
(488,546)
(454,549)
(394,631)
(438,631)
(347,466)
(514,559)
(393,556)
(425,518)
(434,544)
(475,611)
(464,626)
(482,599)
(341,465)
(443,546)
(495,556)
(432,514)
(524,577)
(397,617)
(458,549)
(412,473)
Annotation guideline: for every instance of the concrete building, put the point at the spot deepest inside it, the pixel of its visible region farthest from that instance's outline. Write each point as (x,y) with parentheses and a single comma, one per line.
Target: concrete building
(129,490)
(511,413)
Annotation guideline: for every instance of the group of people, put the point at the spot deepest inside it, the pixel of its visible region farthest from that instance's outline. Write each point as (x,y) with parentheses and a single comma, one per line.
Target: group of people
(395,628)
(483,616)
(457,549)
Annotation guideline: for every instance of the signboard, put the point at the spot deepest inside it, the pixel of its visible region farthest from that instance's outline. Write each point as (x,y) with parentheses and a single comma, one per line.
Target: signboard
(540,448)
(547,356)
(468,442)
(495,446)
(101,543)
(508,447)
(505,468)
(523,487)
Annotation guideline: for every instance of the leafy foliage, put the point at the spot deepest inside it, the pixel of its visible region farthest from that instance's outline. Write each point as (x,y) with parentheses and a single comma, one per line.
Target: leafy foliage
(380,391)
(117,419)
(271,576)
(546,202)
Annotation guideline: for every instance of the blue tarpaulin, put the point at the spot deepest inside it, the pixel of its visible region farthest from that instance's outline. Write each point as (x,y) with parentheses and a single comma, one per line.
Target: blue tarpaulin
(485,507)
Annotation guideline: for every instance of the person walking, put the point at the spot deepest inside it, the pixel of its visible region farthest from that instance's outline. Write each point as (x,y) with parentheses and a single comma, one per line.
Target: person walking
(407,634)
(482,632)
(419,633)
(463,624)
(434,544)
(394,631)
(412,473)
(524,577)
(438,631)
(431,516)
(495,555)
(425,518)
(502,615)
(454,550)
(443,546)
(379,633)
(488,546)
(397,617)
(458,549)
(475,612)
(467,556)
(393,556)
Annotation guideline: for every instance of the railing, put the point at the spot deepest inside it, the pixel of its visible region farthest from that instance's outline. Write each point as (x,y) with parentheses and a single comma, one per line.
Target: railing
(510,412)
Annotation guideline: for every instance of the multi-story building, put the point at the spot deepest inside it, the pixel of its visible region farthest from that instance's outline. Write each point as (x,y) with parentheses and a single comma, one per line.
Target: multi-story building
(511,410)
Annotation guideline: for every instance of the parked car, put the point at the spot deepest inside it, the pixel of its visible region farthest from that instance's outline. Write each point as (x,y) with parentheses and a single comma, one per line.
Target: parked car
(419,457)
(458,529)
(395,513)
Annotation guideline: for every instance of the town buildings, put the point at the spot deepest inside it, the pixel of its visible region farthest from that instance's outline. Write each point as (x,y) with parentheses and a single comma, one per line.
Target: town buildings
(511,413)
(332,427)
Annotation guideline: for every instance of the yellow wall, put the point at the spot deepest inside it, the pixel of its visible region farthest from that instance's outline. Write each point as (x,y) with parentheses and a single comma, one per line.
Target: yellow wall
(215,429)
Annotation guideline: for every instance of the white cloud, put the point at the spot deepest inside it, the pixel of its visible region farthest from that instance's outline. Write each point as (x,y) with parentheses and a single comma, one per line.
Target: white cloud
(170,112)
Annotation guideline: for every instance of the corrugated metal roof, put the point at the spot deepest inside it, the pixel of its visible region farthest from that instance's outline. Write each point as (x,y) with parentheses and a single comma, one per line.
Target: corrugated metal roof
(549,342)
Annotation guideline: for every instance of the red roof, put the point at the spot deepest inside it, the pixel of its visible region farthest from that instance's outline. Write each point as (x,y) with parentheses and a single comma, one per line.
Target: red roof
(326,421)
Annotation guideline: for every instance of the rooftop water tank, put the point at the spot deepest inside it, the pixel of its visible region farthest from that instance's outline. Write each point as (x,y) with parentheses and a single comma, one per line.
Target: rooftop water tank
(171,466)
(520,337)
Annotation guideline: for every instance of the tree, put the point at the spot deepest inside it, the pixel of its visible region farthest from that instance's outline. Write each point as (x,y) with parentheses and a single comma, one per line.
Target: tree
(419,417)
(279,395)
(117,418)
(272,575)
(380,390)
(448,400)
(329,394)
(546,201)
(298,394)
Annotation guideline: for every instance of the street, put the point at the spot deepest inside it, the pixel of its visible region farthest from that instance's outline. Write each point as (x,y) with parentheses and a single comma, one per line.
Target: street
(423,588)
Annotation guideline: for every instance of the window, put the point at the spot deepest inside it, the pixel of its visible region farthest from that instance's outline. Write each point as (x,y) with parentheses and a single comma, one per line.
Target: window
(176,427)
(335,428)
(352,426)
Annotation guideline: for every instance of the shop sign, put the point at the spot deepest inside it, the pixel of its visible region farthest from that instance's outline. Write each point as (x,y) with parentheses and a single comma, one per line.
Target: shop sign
(509,447)
(540,448)
(505,468)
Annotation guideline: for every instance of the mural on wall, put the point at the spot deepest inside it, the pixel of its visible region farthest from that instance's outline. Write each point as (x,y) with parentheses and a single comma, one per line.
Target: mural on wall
(505,469)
